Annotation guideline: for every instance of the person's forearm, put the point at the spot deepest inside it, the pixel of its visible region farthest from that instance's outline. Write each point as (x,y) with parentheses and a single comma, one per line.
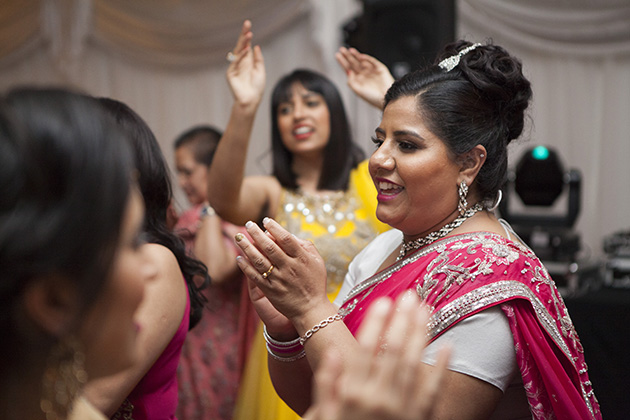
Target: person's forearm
(293,380)
(212,250)
(227,172)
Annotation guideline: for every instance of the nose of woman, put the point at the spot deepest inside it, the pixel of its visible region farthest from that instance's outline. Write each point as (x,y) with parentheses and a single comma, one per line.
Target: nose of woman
(382,157)
(298,111)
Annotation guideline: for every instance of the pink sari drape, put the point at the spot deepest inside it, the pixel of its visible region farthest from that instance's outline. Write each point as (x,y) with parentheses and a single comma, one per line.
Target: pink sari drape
(462,275)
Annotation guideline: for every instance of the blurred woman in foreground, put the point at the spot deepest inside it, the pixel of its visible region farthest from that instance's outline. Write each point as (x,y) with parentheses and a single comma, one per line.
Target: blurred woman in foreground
(73,273)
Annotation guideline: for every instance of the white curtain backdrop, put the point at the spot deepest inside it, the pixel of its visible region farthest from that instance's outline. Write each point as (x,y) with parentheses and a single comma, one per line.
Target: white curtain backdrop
(166,59)
(577,56)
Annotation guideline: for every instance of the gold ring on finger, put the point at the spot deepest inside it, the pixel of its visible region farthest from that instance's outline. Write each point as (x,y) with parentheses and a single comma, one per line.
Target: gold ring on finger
(266,273)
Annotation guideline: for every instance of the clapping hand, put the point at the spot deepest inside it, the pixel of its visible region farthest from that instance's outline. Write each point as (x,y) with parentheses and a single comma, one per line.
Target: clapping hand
(367,77)
(287,276)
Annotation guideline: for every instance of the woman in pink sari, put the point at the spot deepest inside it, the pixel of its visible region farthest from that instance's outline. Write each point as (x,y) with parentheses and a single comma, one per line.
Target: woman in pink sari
(440,160)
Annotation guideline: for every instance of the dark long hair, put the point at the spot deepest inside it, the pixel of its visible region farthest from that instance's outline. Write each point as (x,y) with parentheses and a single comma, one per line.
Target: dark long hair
(481,101)
(65,177)
(155,185)
(341,154)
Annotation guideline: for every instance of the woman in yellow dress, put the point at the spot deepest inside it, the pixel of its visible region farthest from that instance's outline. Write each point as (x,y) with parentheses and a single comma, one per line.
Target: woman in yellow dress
(320,189)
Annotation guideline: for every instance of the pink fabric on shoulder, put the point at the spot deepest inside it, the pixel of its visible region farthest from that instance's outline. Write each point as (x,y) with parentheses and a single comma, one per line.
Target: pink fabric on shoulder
(155,397)
(459,276)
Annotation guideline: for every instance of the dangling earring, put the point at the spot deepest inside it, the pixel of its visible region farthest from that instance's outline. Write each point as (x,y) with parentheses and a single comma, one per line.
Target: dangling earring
(64,377)
(463,192)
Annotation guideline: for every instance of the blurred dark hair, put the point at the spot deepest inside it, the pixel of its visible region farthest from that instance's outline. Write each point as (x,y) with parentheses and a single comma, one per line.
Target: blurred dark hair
(341,154)
(481,101)
(65,177)
(203,140)
(155,185)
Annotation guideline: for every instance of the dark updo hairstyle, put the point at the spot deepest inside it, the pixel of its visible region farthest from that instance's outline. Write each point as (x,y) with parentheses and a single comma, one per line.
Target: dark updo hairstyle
(65,177)
(155,186)
(341,154)
(203,141)
(480,101)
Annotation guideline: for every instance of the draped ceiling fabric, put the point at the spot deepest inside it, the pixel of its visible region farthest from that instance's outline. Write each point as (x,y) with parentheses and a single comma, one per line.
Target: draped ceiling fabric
(189,33)
(579,28)
(166,59)
(19,28)
(166,33)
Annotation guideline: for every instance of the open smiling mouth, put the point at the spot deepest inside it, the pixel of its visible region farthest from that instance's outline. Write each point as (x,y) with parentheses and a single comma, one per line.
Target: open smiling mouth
(389,189)
(303,132)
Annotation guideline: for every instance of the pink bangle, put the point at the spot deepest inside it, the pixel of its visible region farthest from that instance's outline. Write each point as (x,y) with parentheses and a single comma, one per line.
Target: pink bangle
(288,359)
(281,347)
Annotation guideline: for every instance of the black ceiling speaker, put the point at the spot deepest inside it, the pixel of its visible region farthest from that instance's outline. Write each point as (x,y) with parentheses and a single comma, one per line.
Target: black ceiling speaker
(403,34)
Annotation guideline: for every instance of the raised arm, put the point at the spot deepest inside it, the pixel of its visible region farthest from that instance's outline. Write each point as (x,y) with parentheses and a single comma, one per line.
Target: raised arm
(367,77)
(235,197)
(214,249)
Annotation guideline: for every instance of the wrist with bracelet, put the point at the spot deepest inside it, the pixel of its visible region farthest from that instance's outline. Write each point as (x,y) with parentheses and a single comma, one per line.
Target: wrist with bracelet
(283,351)
(206,211)
(295,348)
(325,322)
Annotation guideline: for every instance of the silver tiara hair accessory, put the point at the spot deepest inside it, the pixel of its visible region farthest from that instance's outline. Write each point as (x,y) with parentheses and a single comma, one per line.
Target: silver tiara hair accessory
(451,62)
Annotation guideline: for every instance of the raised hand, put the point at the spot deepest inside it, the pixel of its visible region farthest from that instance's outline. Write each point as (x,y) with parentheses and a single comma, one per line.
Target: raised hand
(246,72)
(386,379)
(367,77)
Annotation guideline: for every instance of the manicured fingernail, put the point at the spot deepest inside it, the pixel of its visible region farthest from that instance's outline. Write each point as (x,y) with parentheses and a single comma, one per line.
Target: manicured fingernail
(249,224)
(239,237)
(240,262)
(266,220)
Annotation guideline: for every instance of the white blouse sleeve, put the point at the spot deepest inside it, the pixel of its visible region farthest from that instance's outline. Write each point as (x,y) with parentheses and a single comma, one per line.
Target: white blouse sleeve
(483,347)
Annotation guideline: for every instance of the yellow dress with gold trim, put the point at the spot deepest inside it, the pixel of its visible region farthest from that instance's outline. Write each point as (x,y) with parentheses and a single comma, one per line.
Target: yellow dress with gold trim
(340,225)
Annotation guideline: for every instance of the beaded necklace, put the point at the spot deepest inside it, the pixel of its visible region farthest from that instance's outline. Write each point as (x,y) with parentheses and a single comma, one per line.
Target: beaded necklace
(438,234)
